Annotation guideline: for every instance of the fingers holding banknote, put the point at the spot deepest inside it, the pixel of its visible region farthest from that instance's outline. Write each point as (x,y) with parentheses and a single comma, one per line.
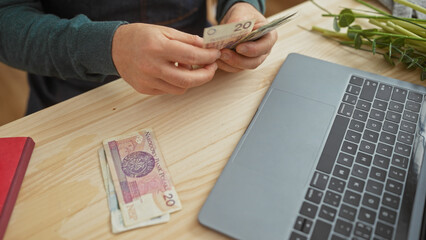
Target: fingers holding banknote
(155,60)
(247,55)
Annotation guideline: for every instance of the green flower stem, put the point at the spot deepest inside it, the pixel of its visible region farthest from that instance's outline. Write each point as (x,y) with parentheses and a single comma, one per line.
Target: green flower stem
(412,5)
(329,33)
(381,25)
(357,15)
(412,28)
(402,30)
(390,35)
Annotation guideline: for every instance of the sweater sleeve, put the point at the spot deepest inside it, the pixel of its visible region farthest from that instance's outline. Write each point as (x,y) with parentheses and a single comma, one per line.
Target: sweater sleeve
(45,44)
(224,5)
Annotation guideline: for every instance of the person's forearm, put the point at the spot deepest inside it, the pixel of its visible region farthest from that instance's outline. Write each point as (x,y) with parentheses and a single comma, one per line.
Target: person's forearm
(224,5)
(47,45)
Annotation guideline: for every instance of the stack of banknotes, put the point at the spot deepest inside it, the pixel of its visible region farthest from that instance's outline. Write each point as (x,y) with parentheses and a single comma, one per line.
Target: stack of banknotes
(231,34)
(139,189)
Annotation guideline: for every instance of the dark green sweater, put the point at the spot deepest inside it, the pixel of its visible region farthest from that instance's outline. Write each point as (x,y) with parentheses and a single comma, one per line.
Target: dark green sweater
(56,40)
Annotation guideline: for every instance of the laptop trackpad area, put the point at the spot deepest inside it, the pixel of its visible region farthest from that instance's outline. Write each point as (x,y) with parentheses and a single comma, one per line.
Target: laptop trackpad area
(278,157)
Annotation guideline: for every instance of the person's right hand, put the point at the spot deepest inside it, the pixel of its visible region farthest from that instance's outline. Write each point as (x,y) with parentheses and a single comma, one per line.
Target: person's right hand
(145,56)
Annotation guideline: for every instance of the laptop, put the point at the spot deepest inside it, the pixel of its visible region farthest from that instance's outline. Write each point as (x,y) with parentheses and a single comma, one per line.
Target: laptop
(332,153)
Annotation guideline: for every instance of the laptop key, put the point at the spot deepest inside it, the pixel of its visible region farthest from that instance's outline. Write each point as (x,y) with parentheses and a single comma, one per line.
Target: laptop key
(397,173)
(370,136)
(335,237)
(390,127)
(387,215)
(356,80)
(377,115)
(384,149)
(321,230)
(390,200)
(363,230)
(374,125)
(407,126)
(363,105)
(343,227)
(337,185)
(378,174)
(412,106)
(353,89)
(381,105)
(370,201)
(349,147)
(400,161)
(308,209)
(374,187)
(384,92)
(332,198)
(399,95)
(367,147)
(356,184)
(393,187)
(405,137)
(402,149)
(387,138)
(417,97)
(360,115)
(345,159)
(341,172)
(347,212)
(393,116)
(319,180)
(384,230)
(367,215)
(381,161)
(368,90)
(352,198)
(395,106)
(348,98)
(303,224)
(314,195)
(410,116)
(331,148)
(363,159)
(327,213)
(346,109)
(297,236)
(360,171)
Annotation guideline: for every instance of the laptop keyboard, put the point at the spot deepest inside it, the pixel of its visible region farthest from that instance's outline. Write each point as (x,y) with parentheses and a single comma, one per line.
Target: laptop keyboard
(356,190)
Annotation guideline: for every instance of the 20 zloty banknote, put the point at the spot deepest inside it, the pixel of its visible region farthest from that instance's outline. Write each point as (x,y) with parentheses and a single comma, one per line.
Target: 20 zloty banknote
(139,174)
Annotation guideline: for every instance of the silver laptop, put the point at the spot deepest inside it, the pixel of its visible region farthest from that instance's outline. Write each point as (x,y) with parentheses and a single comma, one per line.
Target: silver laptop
(332,153)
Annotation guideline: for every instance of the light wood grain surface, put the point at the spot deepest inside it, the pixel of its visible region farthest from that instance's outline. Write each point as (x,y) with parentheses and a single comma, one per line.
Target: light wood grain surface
(62,195)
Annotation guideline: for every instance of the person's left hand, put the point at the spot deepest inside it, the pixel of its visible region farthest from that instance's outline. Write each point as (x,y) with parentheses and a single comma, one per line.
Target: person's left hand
(248,55)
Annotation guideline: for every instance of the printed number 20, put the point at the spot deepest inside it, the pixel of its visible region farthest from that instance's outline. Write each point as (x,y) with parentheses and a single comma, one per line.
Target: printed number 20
(169,199)
(241,26)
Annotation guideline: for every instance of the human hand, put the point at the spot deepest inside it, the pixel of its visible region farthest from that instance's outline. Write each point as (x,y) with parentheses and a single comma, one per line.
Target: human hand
(247,55)
(145,56)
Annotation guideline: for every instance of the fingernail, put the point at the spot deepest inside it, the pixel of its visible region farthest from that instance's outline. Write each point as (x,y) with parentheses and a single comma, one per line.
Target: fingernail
(225,56)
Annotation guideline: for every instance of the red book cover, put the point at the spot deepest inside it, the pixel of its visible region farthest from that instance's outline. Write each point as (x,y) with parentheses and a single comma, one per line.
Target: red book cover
(15,153)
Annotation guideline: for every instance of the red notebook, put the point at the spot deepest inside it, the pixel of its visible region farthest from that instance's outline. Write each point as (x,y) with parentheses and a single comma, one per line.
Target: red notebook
(15,153)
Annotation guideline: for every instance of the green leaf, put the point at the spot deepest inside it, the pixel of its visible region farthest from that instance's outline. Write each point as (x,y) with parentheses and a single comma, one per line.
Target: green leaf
(336,24)
(352,35)
(346,19)
(373,46)
(358,41)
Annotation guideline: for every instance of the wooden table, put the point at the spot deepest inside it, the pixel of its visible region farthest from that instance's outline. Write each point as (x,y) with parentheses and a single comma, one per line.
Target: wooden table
(62,195)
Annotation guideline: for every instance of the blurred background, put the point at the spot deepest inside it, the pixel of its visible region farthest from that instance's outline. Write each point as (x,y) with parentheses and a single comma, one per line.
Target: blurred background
(14,88)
